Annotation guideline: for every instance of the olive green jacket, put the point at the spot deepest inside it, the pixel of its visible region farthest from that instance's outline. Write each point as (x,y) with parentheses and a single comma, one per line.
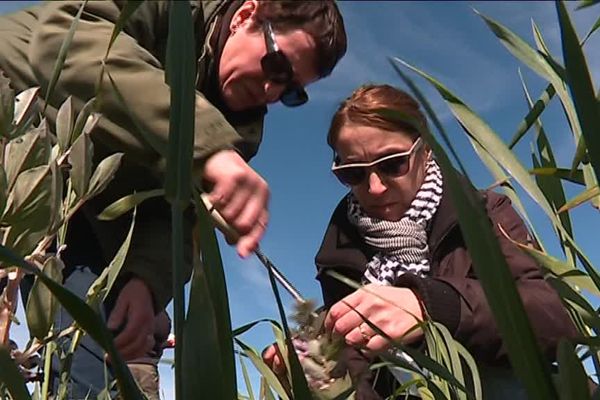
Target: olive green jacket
(29,45)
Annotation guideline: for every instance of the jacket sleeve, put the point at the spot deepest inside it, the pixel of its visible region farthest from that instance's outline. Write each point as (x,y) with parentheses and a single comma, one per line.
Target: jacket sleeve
(474,324)
(135,62)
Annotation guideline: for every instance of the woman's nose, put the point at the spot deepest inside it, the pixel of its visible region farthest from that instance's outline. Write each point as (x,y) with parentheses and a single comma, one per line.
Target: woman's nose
(273,91)
(376,185)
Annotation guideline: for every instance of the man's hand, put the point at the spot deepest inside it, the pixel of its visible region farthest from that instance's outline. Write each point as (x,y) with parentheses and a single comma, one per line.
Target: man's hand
(394,310)
(134,313)
(240,195)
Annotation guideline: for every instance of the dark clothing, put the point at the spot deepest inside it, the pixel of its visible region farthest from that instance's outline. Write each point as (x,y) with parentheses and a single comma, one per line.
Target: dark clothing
(451,293)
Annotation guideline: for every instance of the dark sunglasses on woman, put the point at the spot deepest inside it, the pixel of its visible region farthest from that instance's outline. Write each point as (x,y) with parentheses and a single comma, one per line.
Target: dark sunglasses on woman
(390,166)
(278,69)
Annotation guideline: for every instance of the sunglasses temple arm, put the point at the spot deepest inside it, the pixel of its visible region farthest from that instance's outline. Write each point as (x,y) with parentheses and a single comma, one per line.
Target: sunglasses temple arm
(232,236)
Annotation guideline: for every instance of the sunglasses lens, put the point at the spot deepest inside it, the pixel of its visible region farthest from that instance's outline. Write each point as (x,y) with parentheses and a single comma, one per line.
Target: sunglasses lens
(397,166)
(277,68)
(294,97)
(350,176)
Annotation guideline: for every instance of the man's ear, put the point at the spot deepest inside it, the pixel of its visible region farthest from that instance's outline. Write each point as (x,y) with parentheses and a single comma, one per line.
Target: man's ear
(246,14)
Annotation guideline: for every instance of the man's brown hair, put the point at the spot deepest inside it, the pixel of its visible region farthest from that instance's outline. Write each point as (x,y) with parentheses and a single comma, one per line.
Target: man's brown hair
(364,107)
(320,19)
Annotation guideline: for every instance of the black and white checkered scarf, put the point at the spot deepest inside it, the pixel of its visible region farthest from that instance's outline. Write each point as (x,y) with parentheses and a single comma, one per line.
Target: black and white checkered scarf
(402,245)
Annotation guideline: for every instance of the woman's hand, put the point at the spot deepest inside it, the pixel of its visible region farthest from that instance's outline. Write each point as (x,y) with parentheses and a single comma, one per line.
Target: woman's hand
(394,310)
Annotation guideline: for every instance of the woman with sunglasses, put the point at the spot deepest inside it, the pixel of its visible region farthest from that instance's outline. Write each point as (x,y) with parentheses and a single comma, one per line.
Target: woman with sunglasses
(397,232)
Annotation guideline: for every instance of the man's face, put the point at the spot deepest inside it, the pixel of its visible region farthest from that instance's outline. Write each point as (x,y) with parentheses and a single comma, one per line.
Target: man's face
(241,78)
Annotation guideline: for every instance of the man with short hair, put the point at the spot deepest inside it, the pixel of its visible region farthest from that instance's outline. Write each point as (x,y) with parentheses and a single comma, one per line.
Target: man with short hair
(250,53)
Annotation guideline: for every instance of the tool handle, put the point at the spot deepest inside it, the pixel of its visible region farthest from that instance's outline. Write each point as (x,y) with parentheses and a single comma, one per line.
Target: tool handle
(230,233)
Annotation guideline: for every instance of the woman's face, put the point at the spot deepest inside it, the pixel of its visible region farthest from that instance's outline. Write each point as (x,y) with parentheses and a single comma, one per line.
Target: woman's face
(381,196)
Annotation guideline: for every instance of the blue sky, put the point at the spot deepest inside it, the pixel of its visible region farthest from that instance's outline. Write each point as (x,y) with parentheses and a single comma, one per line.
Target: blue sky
(445,39)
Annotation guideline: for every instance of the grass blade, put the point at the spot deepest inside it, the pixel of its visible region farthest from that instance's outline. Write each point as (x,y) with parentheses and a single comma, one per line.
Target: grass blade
(563,269)
(247,379)
(551,188)
(208,317)
(180,76)
(559,173)
(582,88)
(535,111)
(267,373)
(429,111)
(541,63)
(62,54)
(573,381)
(128,9)
(127,203)
(581,198)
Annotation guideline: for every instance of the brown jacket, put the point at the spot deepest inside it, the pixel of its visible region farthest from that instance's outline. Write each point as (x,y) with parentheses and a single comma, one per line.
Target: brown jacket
(451,293)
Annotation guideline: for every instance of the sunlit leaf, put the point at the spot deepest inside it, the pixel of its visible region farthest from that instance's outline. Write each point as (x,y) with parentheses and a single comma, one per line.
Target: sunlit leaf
(86,113)
(65,120)
(581,198)
(102,286)
(41,304)
(538,107)
(25,104)
(548,69)
(28,201)
(480,132)
(551,188)
(81,159)
(247,380)
(558,267)
(104,174)
(580,154)
(127,203)
(559,173)
(27,151)
(429,111)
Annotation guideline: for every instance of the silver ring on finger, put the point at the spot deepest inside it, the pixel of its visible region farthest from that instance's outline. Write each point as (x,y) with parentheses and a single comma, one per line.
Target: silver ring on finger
(363,333)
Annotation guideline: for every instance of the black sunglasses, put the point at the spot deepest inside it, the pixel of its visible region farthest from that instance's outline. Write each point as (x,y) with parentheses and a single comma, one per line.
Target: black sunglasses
(390,166)
(278,69)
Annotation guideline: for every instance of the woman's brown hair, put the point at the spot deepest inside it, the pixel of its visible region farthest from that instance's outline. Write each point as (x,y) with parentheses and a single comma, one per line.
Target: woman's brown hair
(364,106)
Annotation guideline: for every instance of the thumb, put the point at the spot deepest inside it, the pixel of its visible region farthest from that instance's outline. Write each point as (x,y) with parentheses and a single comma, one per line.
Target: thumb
(117,315)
